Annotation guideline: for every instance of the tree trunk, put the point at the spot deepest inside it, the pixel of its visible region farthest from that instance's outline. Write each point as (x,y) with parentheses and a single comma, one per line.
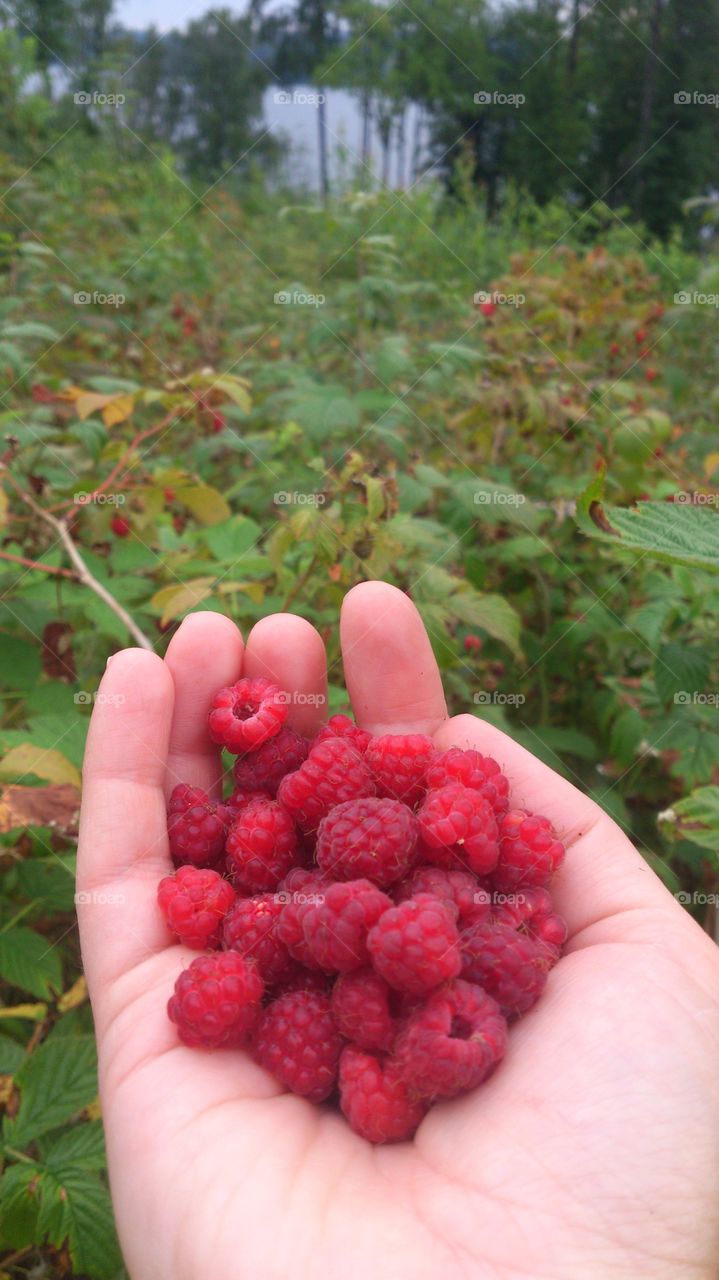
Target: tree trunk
(646,107)
(573,50)
(322,145)
(401,150)
(365,117)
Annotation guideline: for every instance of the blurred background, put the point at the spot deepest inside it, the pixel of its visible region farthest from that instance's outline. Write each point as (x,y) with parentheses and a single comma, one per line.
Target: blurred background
(294,295)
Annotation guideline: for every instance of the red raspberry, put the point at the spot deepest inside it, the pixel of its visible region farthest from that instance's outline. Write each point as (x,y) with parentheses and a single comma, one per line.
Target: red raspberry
(362,1010)
(459,888)
(216,1001)
(459,829)
(532,911)
(415,945)
(529,851)
(399,763)
(196,827)
(314,980)
(250,928)
(375,1100)
(451,1043)
(264,769)
(262,845)
(246,714)
(332,773)
(511,966)
(298,1041)
(299,893)
(239,797)
(372,838)
(336,928)
(340,726)
(194,902)
(120,526)
(480,773)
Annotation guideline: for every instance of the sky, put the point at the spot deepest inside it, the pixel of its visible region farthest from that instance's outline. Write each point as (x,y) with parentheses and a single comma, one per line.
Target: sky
(166,14)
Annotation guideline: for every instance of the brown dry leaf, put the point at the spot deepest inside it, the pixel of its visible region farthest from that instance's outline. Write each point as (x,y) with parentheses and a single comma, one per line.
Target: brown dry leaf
(56,806)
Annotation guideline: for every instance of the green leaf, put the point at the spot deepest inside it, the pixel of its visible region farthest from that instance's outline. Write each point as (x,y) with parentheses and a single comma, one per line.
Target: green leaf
(696,818)
(680,670)
(55,1082)
(20,1205)
(492,614)
(206,503)
(30,962)
(11,1055)
(673,532)
(81,1147)
(231,539)
(75,1207)
(30,329)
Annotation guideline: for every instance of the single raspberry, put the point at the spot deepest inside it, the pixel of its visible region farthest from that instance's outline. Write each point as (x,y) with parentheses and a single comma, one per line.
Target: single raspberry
(340,726)
(262,846)
(332,773)
(480,773)
(510,966)
(415,945)
(399,763)
(458,828)
(315,980)
(451,1043)
(246,714)
(239,797)
(299,893)
(336,928)
(298,1041)
(375,1100)
(460,888)
(529,851)
(532,911)
(120,526)
(194,902)
(371,837)
(250,928)
(264,769)
(362,1009)
(196,827)
(216,1001)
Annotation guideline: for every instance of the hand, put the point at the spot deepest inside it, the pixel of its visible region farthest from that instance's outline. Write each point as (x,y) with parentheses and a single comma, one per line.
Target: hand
(591,1153)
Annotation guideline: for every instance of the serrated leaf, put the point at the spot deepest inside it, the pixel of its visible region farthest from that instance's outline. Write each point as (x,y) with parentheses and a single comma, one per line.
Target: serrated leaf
(44,762)
(56,1081)
(81,1147)
(696,818)
(11,1055)
(30,962)
(75,1207)
(20,1205)
(673,532)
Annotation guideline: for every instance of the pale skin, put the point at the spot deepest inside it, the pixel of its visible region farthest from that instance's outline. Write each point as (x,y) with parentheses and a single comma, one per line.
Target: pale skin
(591,1154)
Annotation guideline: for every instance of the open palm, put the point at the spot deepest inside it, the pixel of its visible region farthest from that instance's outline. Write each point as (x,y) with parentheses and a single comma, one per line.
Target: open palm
(593,1152)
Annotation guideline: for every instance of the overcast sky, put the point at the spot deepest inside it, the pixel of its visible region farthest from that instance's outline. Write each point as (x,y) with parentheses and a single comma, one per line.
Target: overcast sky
(166,14)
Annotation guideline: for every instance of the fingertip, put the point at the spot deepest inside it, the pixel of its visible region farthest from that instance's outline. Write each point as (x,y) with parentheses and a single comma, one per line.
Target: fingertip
(287,649)
(206,625)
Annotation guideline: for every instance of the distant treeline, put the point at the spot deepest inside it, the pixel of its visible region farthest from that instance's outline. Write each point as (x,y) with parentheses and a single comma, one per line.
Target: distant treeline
(584,100)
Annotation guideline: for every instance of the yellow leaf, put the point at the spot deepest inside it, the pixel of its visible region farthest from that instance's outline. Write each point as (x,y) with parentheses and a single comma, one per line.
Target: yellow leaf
(35,1012)
(254,590)
(87,402)
(3,507)
(118,410)
(206,504)
(76,995)
(44,762)
(711,463)
(177,599)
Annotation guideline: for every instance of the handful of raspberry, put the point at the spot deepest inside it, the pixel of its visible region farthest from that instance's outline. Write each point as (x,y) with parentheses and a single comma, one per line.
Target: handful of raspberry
(371,912)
